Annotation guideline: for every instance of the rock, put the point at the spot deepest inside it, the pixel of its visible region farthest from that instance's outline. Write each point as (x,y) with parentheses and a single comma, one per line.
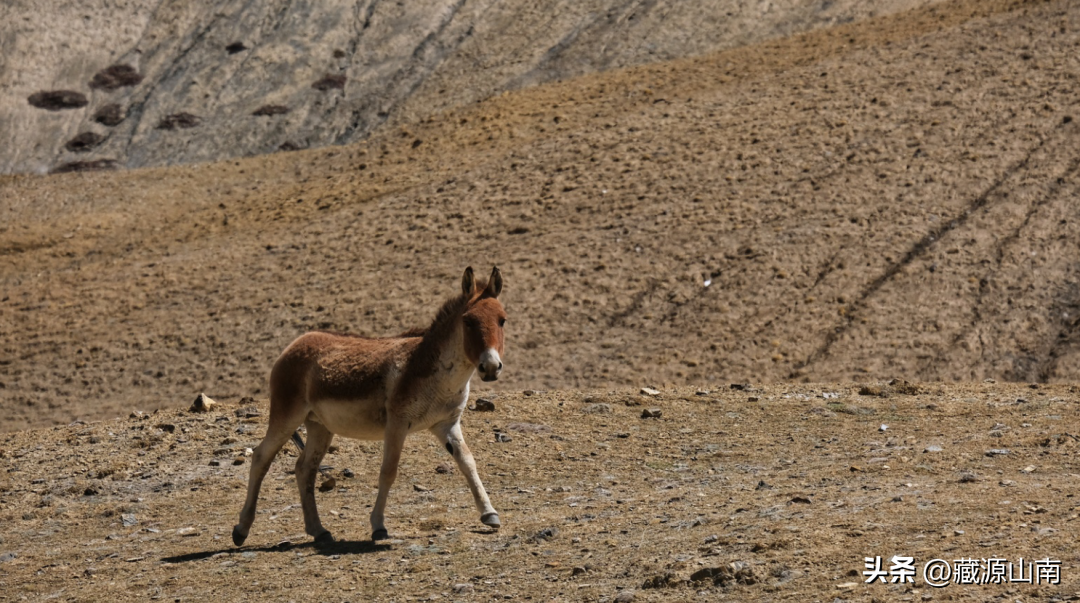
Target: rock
(546,534)
(463,588)
(648,391)
(348,474)
(502,437)
(932,448)
(665,580)
(85,166)
(578,570)
(179,120)
(84,142)
(214,463)
(115,77)
(166,427)
(624,596)
(269,110)
(530,392)
(997,452)
(598,408)
(419,488)
(238,460)
(327,484)
(1007,483)
(110,115)
(330,82)
(187,532)
(651,413)
(484,405)
(248,412)
(202,403)
(5,557)
(871,390)
(802,500)
(57,100)
(968,477)
(128,519)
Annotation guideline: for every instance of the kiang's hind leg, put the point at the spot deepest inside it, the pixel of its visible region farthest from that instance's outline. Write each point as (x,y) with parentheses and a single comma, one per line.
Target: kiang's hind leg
(307,466)
(284,419)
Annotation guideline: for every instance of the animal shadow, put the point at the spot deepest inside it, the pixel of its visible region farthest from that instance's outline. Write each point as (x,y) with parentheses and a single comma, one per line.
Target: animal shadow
(336,547)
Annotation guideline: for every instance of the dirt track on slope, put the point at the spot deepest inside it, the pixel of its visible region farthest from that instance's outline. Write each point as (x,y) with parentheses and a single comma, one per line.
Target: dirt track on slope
(884,199)
(789,486)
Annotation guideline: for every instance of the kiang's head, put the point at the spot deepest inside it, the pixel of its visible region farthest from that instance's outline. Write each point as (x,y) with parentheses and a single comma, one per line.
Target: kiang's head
(483,323)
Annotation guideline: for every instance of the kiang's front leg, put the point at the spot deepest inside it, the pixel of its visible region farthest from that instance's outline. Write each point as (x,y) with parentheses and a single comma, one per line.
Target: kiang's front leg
(393,442)
(451,438)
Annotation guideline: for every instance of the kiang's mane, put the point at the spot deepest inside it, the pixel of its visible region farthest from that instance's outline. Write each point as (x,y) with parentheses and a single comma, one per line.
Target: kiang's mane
(424,359)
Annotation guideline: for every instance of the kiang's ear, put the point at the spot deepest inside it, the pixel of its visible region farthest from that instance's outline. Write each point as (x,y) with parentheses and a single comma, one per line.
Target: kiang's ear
(468,282)
(494,286)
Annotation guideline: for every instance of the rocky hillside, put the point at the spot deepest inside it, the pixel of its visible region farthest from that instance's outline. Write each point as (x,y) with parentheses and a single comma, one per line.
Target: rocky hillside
(100,84)
(888,198)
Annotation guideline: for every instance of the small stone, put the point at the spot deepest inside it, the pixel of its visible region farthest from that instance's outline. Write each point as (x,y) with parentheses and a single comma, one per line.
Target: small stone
(648,391)
(503,438)
(238,461)
(444,468)
(802,500)
(530,392)
(1028,469)
(598,408)
(968,477)
(761,485)
(328,484)
(997,452)
(546,534)
(898,499)
(215,463)
(651,413)
(484,405)
(933,448)
(883,427)
(187,532)
(5,557)
(1007,483)
(463,588)
(419,488)
(348,474)
(958,532)
(202,403)
(624,596)
(578,570)
(128,520)
(166,427)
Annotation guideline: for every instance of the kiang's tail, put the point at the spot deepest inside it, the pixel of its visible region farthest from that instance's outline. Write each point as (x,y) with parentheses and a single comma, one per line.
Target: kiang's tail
(298,440)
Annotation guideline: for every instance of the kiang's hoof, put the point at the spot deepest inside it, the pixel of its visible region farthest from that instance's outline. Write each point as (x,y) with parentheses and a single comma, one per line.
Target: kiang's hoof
(491,520)
(238,537)
(324,538)
(380,534)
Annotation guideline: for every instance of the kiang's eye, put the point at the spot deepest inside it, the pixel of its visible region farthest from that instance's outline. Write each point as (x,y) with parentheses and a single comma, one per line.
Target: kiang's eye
(502,321)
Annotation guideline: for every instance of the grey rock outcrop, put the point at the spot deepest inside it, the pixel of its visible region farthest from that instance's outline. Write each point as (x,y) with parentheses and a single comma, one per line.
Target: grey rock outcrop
(168,81)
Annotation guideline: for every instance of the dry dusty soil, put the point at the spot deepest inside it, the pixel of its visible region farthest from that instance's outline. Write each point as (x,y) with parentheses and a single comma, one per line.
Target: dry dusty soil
(781,490)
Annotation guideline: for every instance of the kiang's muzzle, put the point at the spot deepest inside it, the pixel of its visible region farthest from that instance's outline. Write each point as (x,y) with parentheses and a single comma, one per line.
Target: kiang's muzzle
(490,365)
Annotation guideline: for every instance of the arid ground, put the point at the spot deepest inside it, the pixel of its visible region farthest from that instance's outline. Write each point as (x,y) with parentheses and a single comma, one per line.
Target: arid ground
(784,490)
(888,199)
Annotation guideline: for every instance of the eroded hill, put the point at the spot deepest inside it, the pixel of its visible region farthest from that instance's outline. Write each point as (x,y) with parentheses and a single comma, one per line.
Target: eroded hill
(885,198)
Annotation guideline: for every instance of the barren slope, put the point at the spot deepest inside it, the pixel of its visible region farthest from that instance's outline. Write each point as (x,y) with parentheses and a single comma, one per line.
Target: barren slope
(885,198)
